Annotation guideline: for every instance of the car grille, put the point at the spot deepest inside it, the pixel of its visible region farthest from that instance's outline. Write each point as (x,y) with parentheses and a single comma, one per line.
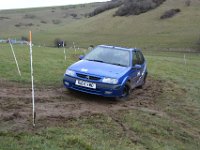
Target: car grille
(87,77)
(72,80)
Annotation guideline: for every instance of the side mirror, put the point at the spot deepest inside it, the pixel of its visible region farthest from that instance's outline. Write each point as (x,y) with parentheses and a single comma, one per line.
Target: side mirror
(81,57)
(137,67)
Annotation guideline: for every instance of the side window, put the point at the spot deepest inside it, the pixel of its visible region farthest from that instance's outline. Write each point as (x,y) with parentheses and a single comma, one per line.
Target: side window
(140,57)
(135,59)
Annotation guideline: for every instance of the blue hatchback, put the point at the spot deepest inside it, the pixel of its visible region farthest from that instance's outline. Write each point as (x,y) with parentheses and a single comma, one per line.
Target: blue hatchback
(108,71)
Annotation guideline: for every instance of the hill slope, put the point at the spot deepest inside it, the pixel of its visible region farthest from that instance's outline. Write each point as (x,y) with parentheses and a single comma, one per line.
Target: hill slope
(145,30)
(15,23)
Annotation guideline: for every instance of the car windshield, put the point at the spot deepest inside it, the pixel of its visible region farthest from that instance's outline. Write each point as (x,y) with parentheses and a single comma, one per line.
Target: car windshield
(110,56)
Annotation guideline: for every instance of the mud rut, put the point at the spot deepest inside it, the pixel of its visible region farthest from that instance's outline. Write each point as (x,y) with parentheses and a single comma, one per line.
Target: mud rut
(55,105)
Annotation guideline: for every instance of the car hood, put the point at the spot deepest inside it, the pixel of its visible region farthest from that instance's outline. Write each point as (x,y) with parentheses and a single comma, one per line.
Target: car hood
(99,69)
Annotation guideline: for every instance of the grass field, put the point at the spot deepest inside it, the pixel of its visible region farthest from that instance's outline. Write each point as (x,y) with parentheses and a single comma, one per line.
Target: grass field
(175,125)
(163,115)
(43,58)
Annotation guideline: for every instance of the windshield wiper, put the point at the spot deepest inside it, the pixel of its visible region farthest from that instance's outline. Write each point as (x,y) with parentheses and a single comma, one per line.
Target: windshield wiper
(106,62)
(118,64)
(95,60)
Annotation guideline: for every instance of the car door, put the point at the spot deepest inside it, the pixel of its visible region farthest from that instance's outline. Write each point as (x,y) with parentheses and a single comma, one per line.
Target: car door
(134,72)
(140,72)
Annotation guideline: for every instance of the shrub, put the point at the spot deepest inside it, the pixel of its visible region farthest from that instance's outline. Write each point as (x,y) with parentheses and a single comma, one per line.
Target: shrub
(56,21)
(44,22)
(18,25)
(29,16)
(73,15)
(136,7)
(109,5)
(29,24)
(170,13)
(25,25)
(187,3)
(2,18)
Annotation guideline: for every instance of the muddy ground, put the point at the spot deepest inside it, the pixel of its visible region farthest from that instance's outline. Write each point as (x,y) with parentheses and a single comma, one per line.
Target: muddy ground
(54,105)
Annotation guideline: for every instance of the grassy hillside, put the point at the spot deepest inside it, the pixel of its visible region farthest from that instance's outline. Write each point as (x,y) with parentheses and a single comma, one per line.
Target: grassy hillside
(15,23)
(145,30)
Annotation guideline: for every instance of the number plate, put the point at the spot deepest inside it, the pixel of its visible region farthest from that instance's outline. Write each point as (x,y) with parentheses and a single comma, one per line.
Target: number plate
(85,84)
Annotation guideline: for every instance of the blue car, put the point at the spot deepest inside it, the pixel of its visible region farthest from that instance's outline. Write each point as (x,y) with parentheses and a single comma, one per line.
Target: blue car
(108,71)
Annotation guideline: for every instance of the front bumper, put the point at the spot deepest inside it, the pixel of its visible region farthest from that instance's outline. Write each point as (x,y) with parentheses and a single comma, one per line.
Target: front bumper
(102,89)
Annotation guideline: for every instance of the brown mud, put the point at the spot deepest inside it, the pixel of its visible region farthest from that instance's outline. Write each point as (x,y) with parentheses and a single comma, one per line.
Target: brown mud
(55,105)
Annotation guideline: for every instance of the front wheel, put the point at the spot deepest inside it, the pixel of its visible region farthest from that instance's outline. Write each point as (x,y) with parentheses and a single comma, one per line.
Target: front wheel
(125,93)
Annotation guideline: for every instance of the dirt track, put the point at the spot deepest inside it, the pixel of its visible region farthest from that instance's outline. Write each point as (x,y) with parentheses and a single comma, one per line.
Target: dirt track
(54,105)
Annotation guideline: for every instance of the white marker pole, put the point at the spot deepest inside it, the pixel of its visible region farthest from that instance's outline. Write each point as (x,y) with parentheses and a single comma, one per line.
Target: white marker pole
(33,95)
(74,46)
(185,59)
(64,50)
(14,57)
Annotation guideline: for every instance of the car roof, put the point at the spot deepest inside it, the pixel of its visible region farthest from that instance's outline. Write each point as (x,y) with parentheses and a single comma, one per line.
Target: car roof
(121,48)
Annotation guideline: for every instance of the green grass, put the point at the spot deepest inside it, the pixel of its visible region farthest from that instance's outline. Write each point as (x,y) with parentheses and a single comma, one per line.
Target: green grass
(173,66)
(157,132)
(49,64)
(97,132)
(177,125)
(178,128)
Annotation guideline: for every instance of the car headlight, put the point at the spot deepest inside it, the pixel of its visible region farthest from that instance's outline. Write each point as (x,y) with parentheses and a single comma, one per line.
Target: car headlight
(70,73)
(110,80)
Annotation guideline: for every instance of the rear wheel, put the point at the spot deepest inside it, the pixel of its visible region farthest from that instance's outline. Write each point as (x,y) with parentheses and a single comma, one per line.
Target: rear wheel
(144,81)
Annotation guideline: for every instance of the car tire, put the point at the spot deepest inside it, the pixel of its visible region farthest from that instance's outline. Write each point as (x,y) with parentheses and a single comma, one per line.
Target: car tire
(126,92)
(144,81)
